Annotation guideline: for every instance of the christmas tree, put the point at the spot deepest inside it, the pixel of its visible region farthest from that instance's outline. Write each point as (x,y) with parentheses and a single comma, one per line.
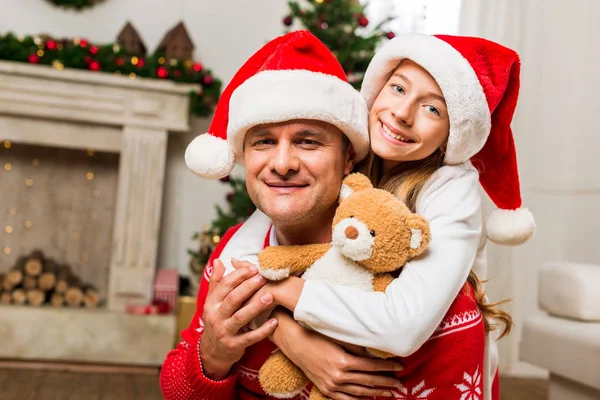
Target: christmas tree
(239,208)
(342,26)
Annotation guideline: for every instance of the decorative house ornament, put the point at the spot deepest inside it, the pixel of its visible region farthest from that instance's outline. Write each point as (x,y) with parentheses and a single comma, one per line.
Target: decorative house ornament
(131,41)
(177,44)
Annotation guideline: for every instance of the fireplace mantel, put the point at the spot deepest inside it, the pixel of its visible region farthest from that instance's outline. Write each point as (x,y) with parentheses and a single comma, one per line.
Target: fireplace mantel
(82,109)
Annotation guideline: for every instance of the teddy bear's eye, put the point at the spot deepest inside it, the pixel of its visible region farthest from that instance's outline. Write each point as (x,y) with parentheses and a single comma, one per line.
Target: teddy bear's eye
(372,233)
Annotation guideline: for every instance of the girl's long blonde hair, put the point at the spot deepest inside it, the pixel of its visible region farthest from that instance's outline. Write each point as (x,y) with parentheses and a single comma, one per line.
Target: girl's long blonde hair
(405,181)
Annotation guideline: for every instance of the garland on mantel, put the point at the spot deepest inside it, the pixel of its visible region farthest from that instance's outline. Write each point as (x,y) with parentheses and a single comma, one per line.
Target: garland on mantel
(111,58)
(76,4)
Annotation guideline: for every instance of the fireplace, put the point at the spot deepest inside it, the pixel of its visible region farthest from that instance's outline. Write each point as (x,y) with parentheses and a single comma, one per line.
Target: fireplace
(49,116)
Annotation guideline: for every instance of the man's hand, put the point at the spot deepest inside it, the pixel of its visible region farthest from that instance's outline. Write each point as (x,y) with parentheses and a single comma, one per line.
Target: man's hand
(225,314)
(337,373)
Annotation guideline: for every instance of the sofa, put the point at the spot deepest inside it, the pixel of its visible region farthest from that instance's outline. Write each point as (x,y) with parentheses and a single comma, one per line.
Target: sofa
(566,339)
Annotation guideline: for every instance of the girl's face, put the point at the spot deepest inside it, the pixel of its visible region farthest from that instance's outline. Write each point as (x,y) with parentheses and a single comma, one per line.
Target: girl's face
(409,119)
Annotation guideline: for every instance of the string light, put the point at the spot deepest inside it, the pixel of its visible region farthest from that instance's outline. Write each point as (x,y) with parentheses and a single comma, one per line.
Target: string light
(28,224)
(161,60)
(8,166)
(132,75)
(40,53)
(95,193)
(13,211)
(29,182)
(90,176)
(90,152)
(7,144)
(134,60)
(8,229)
(35,162)
(7,250)
(216,239)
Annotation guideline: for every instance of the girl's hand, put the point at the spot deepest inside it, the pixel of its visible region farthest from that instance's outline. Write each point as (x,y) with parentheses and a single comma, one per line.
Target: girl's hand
(337,373)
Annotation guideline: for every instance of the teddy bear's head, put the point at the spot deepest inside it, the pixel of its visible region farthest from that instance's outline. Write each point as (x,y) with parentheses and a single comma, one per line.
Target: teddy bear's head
(375,229)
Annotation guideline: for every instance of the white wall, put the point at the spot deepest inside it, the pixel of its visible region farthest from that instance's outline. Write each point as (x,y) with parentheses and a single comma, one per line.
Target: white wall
(556,134)
(225,33)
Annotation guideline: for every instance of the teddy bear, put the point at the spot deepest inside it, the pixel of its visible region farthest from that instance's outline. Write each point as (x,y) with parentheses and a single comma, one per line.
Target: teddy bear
(374,234)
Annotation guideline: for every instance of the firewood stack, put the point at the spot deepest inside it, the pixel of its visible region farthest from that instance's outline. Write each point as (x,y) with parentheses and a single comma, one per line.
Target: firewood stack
(36,281)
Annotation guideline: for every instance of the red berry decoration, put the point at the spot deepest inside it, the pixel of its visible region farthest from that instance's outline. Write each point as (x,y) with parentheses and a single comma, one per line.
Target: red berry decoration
(33,58)
(225,179)
(198,67)
(207,79)
(230,197)
(93,50)
(95,66)
(88,60)
(162,72)
(390,35)
(141,63)
(287,21)
(363,21)
(83,43)
(51,45)
(120,61)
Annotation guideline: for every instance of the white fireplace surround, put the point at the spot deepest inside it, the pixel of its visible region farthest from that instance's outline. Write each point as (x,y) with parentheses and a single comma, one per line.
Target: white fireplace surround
(81,109)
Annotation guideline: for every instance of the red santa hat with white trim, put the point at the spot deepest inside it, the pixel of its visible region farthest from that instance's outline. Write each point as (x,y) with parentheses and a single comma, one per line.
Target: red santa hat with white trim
(294,76)
(480,83)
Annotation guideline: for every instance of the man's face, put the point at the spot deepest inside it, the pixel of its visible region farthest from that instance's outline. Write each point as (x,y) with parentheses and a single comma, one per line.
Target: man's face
(294,169)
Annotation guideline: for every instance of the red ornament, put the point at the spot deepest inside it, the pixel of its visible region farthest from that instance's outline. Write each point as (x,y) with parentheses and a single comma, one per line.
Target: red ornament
(83,43)
(141,63)
(390,35)
(95,66)
(225,179)
(198,67)
(287,21)
(50,45)
(88,60)
(363,21)
(230,197)
(120,61)
(207,79)
(93,50)
(162,72)
(33,58)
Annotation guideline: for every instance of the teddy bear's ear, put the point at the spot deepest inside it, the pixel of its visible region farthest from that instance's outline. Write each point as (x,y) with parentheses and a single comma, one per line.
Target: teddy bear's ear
(420,234)
(353,183)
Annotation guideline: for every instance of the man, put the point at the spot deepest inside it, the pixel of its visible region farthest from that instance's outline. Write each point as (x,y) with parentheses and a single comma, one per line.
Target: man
(298,126)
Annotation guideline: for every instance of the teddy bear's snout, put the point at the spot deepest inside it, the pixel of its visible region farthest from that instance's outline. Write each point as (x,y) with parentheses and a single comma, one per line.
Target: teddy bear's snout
(351,232)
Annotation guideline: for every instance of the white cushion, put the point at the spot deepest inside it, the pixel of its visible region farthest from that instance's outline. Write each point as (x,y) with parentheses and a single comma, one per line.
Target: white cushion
(565,347)
(570,290)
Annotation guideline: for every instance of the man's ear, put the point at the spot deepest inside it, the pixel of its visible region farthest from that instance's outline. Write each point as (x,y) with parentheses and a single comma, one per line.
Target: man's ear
(349,159)
(353,183)
(420,234)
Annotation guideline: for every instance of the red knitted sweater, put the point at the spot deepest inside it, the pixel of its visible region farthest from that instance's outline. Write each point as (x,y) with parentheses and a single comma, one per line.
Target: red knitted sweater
(448,366)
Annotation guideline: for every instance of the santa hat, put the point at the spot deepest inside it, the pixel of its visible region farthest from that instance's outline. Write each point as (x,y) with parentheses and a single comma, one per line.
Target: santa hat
(480,83)
(294,76)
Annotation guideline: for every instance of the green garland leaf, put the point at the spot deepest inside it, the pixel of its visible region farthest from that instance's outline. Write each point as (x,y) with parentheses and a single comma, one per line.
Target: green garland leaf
(75,4)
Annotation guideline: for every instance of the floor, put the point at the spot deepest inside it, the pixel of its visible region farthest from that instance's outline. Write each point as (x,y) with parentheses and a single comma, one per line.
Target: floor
(36,384)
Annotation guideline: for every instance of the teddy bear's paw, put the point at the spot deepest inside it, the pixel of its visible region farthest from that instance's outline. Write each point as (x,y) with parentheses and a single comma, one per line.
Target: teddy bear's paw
(274,274)
(316,394)
(280,378)
(379,353)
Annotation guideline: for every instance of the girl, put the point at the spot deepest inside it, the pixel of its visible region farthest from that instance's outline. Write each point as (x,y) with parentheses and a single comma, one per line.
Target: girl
(440,112)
